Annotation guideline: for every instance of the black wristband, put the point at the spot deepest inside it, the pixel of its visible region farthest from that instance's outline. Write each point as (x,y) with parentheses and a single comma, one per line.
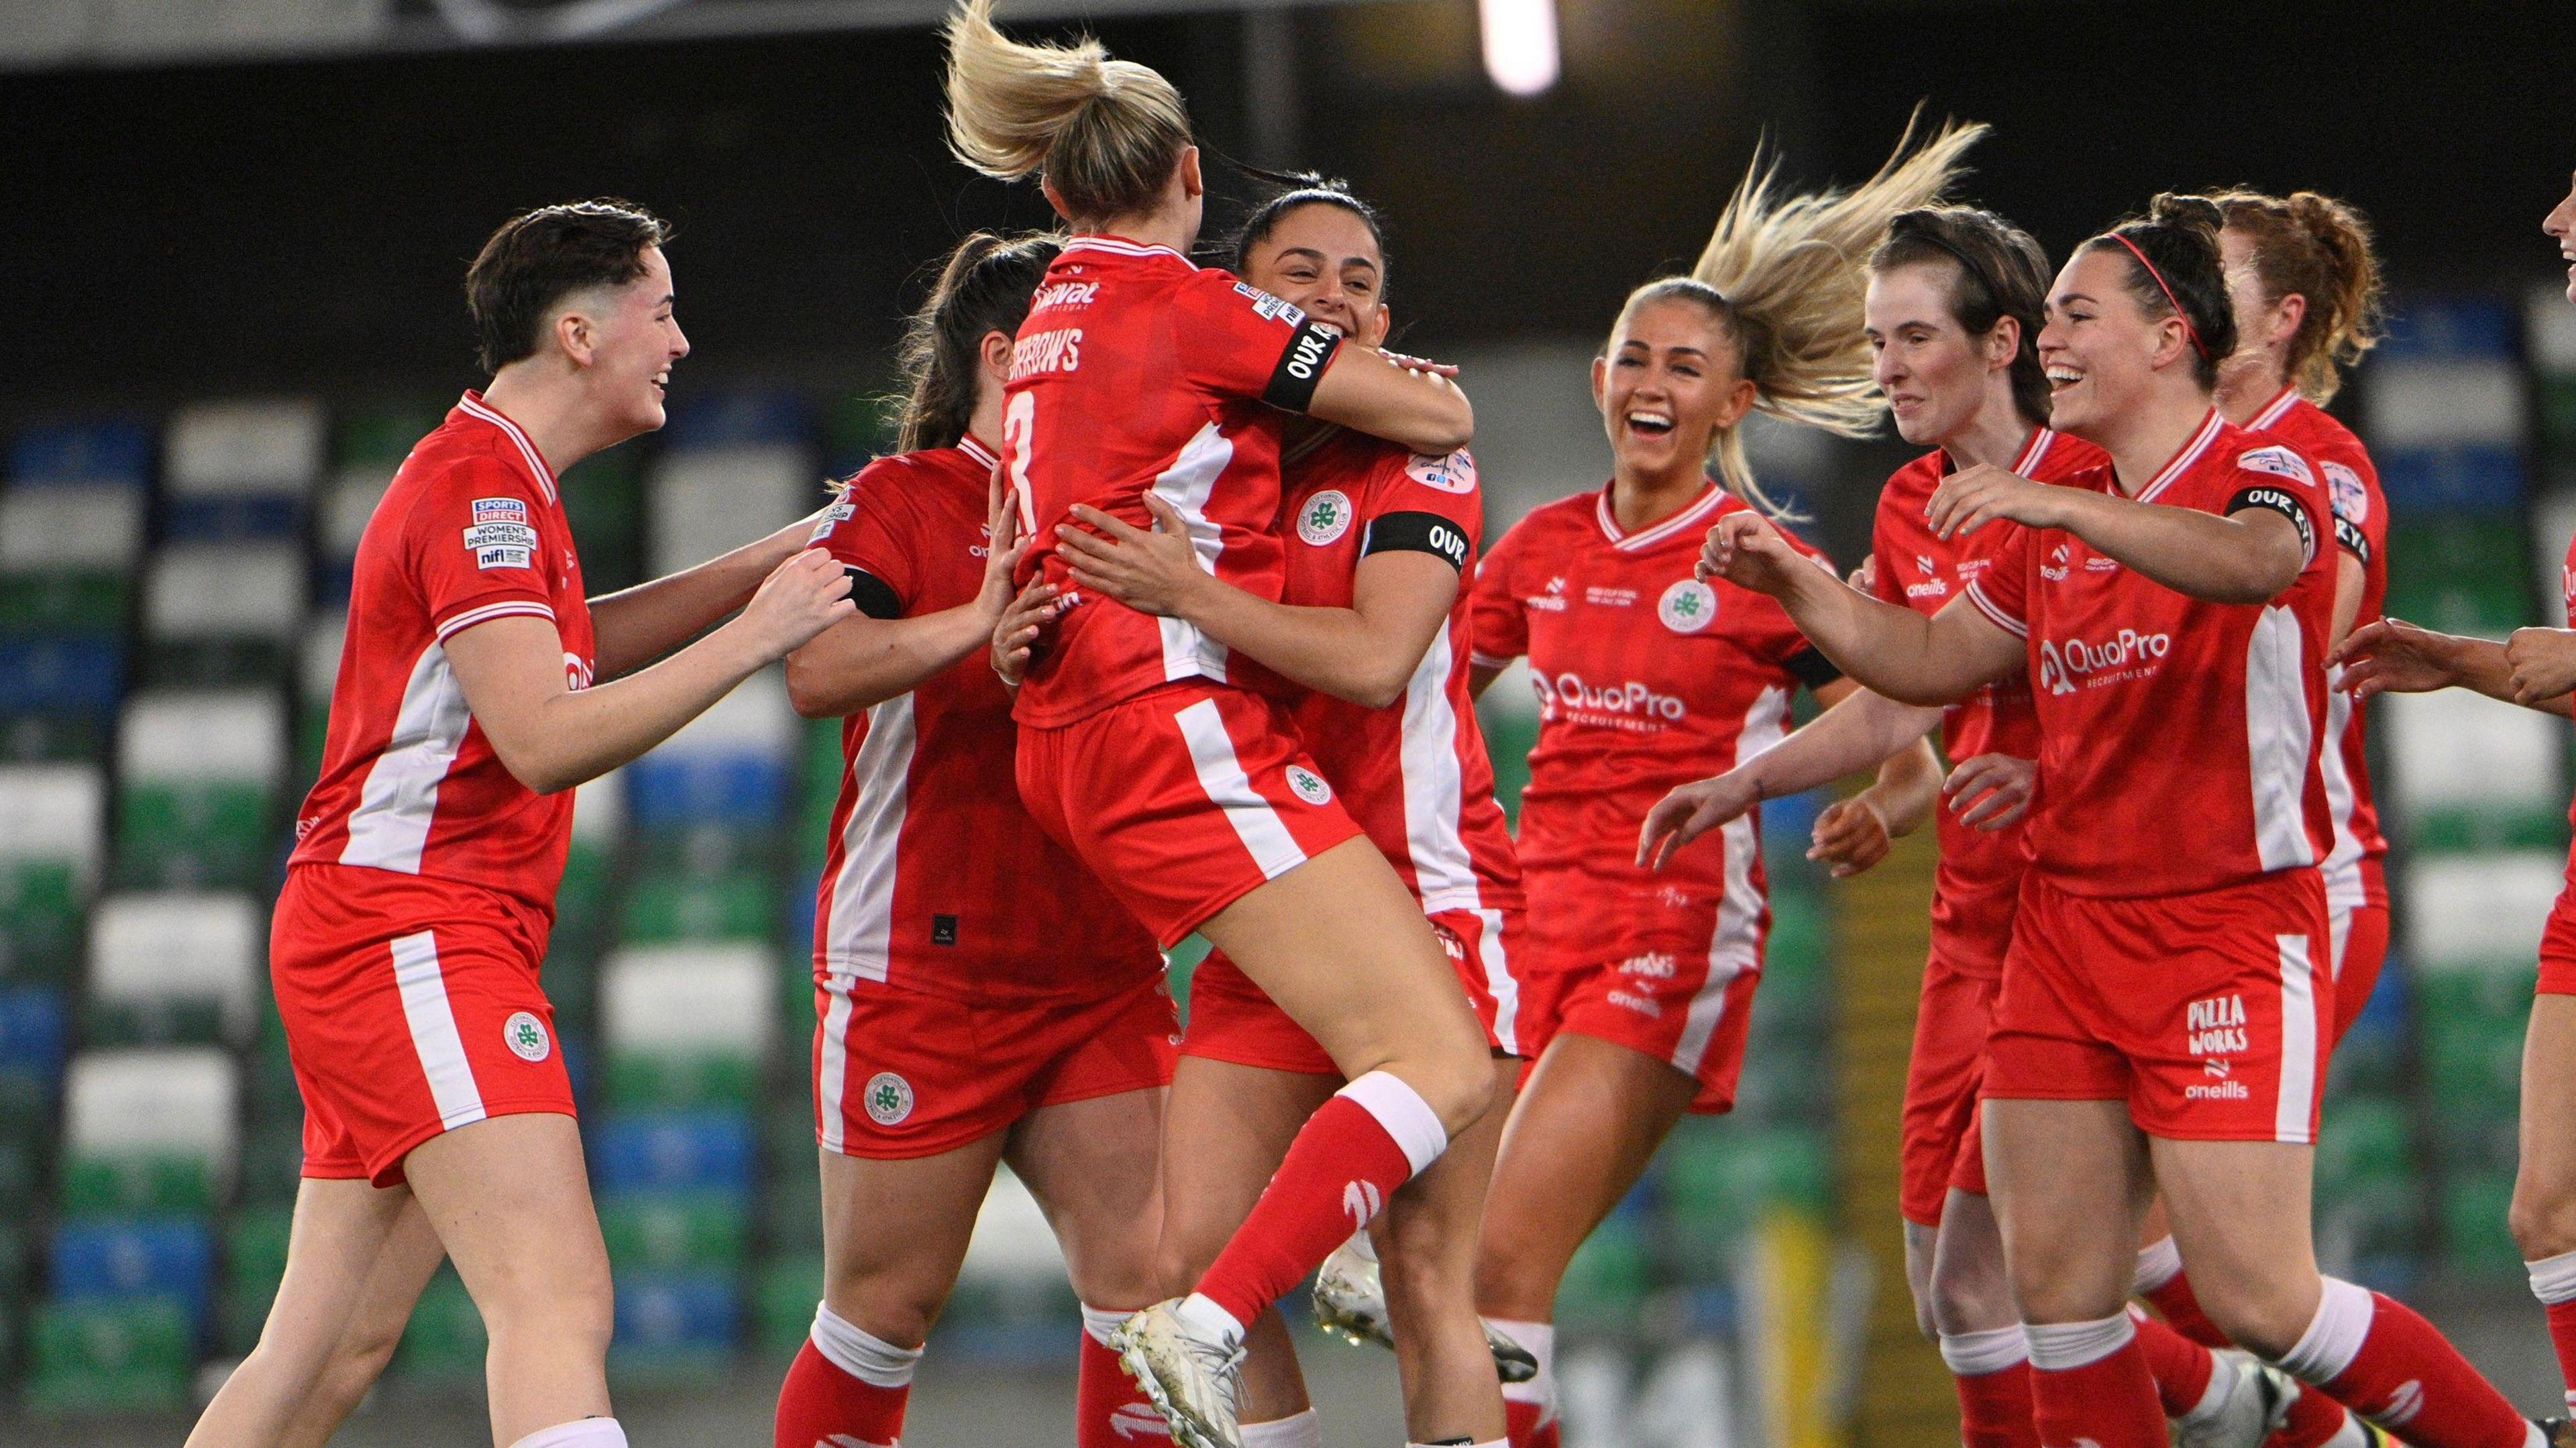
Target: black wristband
(2352,539)
(874,596)
(2283,502)
(1301,366)
(1811,668)
(1418,533)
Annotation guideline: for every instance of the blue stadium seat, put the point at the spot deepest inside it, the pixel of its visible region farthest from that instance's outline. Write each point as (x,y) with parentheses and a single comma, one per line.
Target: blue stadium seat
(739,418)
(676,1149)
(77,676)
(2429,326)
(114,450)
(124,1258)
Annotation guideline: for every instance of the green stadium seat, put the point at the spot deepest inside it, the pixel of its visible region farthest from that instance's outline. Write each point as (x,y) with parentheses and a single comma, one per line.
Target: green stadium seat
(737,905)
(670,1231)
(137,1183)
(272,1161)
(1606,1280)
(784,1292)
(254,1263)
(64,602)
(153,1123)
(384,434)
(108,1356)
(603,497)
(53,820)
(2476,1243)
(1508,714)
(201,775)
(649,1080)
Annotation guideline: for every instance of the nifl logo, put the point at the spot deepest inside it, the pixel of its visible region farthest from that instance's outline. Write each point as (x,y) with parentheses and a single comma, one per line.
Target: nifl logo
(1688,606)
(525,1035)
(2061,665)
(888,1098)
(1325,518)
(1360,1201)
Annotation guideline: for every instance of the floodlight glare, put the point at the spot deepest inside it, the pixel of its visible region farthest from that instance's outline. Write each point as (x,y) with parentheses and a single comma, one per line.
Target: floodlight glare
(1520,44)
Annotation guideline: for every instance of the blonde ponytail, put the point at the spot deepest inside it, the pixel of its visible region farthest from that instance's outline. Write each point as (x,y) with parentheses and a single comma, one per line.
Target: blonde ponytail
(1787,276)
(1106,133)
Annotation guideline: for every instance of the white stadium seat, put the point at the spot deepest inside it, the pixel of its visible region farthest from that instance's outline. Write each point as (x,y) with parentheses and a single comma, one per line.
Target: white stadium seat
(756,718)
(225,448)
(192,736)
(1013,1247)
(225,590)
(2455,749)
(599,811)
(705,502)
(173,1100)
(687,998)
(181,945)
(69,528)
(2479,909)
(317,671)
(54,812)
(2445,403)
(348,502)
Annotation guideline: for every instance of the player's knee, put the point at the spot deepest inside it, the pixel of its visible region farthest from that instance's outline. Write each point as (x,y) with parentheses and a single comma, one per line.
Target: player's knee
(897,1307)
(2046,1296)
(1454,1075)
(2543,1217)
(2266,1319)
(1966,1293)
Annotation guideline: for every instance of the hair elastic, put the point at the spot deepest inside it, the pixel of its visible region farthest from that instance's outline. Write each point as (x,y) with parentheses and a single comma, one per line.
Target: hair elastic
(2188,329)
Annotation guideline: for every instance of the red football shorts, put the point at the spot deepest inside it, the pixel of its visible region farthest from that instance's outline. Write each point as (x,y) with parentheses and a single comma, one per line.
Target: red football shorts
(2558,943)
(411,1008)
(2360,935)
(1941,1149)
(1231,1019)
(1687,1011)
(1182,800)
(903,1073)
(2207,1013)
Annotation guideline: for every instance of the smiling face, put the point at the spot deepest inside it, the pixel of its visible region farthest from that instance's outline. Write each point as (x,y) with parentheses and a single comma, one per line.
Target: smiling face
(2100,348)
(2561,223)
(1937,376)
(1324,259)
(624,339)
(1668,383)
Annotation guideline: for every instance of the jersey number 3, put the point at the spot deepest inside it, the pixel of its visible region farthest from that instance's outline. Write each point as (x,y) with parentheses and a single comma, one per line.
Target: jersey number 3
(1019,422)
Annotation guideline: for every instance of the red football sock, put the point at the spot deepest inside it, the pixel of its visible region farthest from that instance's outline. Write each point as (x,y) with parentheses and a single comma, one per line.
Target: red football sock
(2562,1335)
(1109,1410)
(820,1403)
(2313,1421)
(1521,1426)
(2182,1368)
(2374,1355)
(1347,1160)
(1992,1371)
(2089,1384)
(2553,1281)
(2182,1312)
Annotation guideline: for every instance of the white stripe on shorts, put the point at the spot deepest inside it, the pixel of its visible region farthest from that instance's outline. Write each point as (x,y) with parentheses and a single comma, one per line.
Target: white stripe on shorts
(2298,1042)
(832,1072)
(1499,982)
(433,1031)
(1230,789)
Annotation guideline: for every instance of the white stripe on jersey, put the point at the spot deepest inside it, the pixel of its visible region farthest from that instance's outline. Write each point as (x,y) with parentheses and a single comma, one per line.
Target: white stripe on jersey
(2298,1041)
(860,936)
(2276,739)
(1444,874)
(1698,511)
(832,1072)
(2183,460)
(528,450)
(2273,410)
(1188,653)
(2342,868)
(1735,946)
(1221,776)
(1500,982)
(433,1031)
(506,607)
(399,801)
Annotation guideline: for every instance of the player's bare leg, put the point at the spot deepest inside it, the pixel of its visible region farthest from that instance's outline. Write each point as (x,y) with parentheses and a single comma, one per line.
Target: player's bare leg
(1094,1167)
(1427,1245)
(1231,1124)
(1967,1289)
(341,1234)
(892,1284)
(2544,1184)
(510,1201)
(409,1258)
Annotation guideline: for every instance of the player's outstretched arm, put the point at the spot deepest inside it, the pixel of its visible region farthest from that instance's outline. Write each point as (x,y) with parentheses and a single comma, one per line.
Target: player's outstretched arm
(2535,668)
(1399,601)
(1857,730)
(2249,556)
(634,626)
(552,737)
(1887,649)
(1363,390)
(864,660)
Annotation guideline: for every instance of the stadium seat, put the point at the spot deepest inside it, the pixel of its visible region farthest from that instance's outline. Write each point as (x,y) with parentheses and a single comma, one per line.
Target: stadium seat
(105,1356)
(94,450)
(218,614)
(2478,910)
(52,843)
(687,1025)
(317,673)
(2487,477)
(677,1150)
(706,501)
(244,448)
(2446,402)
(783,1293)
(2469,773)
(2460,572)
(444,1342)
(122,1258)
(603,499)
(149,1128)
(67,554)
(675,1325)
(255,1243)
(730,767)
(176,967)
(200,777)
(674,1231)
(2438,327)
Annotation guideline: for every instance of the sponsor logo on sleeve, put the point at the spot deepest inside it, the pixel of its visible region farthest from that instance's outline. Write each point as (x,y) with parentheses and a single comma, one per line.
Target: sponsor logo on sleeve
(2344,490)
(833,517)
(1270,308)
(500,510)
(501,545)
(1450,473)
(1325,518)
(2280,462)
(1687,607)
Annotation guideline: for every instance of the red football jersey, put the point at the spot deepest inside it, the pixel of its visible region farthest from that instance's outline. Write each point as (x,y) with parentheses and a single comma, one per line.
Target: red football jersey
(1646,678)
(1980,871)
(1415,773)
(2179,740)
(936,878)
(470,530)
(1137,372)
(2361,529)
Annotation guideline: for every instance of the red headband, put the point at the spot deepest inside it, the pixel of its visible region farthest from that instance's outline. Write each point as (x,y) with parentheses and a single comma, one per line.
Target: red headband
(2158,277)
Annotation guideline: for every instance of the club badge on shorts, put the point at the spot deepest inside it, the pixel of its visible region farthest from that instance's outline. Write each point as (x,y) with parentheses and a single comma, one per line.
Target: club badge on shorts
(1326,516)
(1308,785)
(888,1098)
(1688,606)
(525,1035)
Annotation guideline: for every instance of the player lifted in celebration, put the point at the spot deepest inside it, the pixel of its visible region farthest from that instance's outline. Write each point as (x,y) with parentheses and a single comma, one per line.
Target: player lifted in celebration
(2166,1000)
(1636,986)
(1140,749)
(1373,620)
(980,997)
(477,687)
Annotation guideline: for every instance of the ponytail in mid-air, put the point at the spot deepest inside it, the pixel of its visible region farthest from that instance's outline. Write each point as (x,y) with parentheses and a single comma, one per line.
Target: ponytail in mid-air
(1104,133)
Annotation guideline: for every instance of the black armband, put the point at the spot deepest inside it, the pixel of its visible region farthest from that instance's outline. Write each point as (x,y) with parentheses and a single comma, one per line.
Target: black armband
(1811,668)
(1418,533)
(2283,502)
(1301,366)
(874,596)
(2352,539)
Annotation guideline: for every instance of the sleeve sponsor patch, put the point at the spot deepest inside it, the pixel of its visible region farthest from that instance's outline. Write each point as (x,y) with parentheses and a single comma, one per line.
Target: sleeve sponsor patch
(501,545)
(1418,533)
(500,510)
(2281,501)
(1310,348)
(1449,473)
(2345,492)
(833,517)
(1270,308)
(2280,462)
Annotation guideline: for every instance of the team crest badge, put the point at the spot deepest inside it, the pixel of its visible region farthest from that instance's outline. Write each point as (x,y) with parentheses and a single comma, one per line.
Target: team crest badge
(888,1098)
(1308,785)
(1326,516)
(525,1035)
(1688,606)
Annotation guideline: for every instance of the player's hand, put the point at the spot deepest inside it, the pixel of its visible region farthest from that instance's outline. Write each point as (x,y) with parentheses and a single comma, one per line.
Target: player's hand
(1003,547)
(2544,663)
(1018,632)
(1149,572)
(1744,549)
(800,598)
(1864,579)
(1851,835)
(1991,791)
(1691,811)
(2392,656)
(1422,365)
(1970,499)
